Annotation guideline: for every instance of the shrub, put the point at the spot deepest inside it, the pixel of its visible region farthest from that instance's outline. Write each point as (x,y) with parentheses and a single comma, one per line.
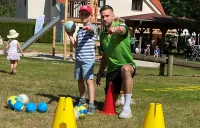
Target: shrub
(25,30)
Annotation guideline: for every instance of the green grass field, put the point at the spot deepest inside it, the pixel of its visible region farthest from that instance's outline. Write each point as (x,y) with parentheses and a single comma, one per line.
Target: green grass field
(48,80)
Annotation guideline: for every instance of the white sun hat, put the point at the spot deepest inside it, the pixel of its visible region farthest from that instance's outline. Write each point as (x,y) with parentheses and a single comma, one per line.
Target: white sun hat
(12,34)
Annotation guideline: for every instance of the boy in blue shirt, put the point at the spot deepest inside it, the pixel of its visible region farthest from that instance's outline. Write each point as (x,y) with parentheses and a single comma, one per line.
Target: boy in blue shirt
(156,51)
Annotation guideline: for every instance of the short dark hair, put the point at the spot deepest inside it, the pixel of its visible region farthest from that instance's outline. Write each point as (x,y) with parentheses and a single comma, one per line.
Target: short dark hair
(105,8)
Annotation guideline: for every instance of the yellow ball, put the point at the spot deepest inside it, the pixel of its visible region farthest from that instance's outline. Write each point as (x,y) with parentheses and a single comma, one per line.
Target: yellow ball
(11,101)
(82,110)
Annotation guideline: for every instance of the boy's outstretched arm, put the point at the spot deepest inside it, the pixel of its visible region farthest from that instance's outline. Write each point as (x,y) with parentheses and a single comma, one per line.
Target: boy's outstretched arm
(88,28)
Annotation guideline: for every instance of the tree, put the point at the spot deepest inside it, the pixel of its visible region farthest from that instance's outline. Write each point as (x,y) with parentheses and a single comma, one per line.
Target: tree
(182,8)
(8,8)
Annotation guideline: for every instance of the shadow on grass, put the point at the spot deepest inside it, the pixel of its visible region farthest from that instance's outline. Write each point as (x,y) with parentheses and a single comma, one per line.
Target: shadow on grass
(2,71)
(177,75)
(137,74)
(52,98)
(49,56)
(186,75)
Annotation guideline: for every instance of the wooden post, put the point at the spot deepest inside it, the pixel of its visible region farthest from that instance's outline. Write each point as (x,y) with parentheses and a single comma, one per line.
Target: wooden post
(65,34)
(140,43)
(54,41)
(179,39)
(197,33)
(71,50)
(151,33)
(162,67)
(164,31)
(92,6)
(96,11)
(170,65)
(70,44)
(140,40)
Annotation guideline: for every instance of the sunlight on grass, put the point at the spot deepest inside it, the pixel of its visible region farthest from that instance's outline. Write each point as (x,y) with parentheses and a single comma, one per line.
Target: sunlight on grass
(48,80)
(47,47)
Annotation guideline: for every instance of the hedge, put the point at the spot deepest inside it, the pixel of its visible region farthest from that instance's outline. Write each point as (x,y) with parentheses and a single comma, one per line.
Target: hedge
(25,30)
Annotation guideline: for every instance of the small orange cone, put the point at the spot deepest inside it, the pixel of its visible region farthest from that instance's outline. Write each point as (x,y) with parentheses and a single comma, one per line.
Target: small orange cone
(154,117)
(109,104)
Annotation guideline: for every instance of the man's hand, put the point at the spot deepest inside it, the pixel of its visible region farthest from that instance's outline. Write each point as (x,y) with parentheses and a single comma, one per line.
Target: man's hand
(117,30)
(98,80)
(112,30)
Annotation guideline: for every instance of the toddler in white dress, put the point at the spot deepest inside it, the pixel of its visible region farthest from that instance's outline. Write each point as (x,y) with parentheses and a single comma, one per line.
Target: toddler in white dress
(12,47)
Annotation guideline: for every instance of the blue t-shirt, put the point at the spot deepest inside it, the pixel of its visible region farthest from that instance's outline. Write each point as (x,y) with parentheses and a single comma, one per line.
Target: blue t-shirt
(157,51)
(86,44)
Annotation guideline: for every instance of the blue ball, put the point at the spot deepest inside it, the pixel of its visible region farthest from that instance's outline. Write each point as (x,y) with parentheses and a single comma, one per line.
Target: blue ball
(70,26)
(31,107)
(18,106)
(42,107)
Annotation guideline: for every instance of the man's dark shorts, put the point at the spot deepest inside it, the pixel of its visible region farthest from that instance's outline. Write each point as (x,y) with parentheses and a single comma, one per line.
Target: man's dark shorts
(115,78)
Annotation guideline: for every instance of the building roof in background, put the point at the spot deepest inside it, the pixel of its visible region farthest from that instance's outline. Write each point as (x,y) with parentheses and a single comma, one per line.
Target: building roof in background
(161,21)
(13,19)
(158,5)
(149,17)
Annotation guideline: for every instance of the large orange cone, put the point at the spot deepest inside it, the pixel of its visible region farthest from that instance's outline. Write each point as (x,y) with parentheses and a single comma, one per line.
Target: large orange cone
(109,104)
(154,117)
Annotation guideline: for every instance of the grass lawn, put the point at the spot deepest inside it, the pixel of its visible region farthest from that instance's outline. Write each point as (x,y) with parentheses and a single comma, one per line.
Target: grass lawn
(48,80)
(44,47)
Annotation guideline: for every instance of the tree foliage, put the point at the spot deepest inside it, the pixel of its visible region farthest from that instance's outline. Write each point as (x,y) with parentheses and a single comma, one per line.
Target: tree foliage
(182,8)
(8,8)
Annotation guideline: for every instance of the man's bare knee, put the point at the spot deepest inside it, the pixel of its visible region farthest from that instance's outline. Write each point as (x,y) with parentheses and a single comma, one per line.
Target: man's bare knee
(127,70)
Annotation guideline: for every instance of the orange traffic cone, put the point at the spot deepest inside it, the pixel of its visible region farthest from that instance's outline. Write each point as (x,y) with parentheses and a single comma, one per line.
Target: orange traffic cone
(109,104)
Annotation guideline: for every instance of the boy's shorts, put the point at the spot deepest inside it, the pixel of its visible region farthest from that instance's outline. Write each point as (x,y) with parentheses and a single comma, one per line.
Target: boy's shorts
(115,78)
(84,70)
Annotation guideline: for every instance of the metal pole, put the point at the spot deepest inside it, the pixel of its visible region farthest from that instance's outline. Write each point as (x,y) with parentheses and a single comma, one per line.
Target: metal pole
(40,33)
(65,34)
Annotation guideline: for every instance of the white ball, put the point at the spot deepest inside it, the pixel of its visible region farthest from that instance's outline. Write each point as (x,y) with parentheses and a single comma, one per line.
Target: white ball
(76,113)
(23,98)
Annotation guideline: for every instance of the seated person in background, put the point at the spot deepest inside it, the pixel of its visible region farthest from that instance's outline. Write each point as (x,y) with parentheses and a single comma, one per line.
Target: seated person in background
(156,51)
(132,39)
(147,49)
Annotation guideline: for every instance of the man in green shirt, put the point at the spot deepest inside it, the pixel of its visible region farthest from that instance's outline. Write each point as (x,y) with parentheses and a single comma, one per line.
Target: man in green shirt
(117,57)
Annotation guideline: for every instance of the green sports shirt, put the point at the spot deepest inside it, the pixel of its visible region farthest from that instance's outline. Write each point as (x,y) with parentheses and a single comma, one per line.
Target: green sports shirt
(117,48)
